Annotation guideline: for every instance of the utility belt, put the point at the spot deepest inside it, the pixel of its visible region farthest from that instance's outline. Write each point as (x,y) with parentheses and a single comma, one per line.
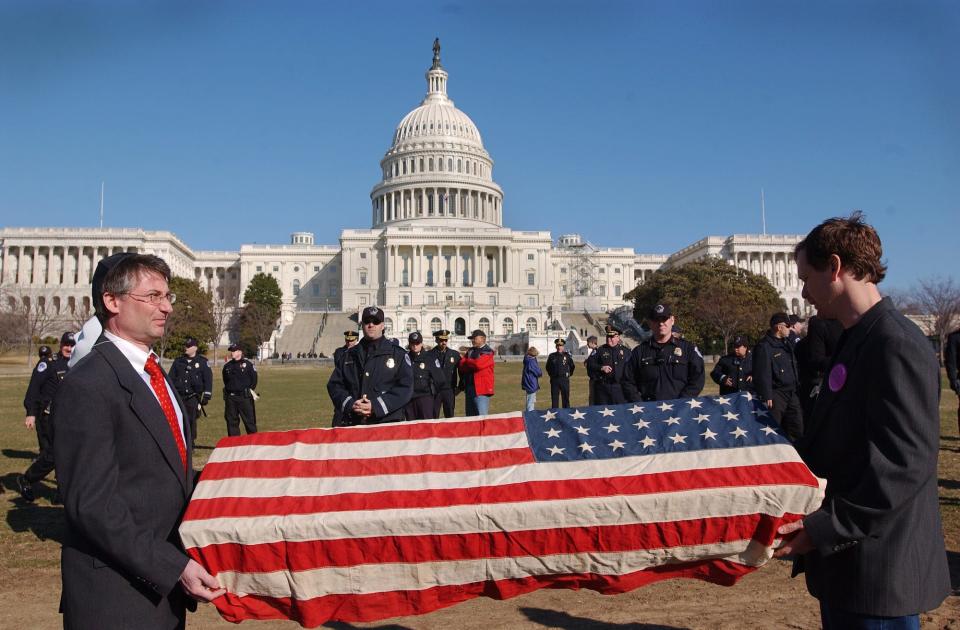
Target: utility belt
(187,395)
(243,394)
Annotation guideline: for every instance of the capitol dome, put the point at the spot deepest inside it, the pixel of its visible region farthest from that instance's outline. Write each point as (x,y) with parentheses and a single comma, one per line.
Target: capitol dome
(436,171)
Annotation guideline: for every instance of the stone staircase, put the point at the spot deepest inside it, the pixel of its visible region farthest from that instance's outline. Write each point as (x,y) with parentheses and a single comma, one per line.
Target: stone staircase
(593,324)
(299,336)
(331,337)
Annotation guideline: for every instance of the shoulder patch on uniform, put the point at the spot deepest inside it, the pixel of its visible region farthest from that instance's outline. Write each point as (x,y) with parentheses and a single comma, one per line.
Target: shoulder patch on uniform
(252,366)
(406,357)
(437,362)
(697,350)
(41,366)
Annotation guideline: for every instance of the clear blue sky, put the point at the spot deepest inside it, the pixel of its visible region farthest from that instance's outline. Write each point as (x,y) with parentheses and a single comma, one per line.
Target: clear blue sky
(640,124)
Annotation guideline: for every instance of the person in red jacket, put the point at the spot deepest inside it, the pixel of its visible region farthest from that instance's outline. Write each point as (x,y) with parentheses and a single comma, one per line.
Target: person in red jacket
(476,368)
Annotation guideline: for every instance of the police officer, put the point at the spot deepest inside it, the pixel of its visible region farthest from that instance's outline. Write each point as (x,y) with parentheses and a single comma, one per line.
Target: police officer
(775,376)
(449,383)
(374,381)
(587,363)
(734,371)
(814,354)
(44,383)
(193,380)
(951,360)
(239,381)
(606,368)
(665,366)
(560,368)
(426,375)
(350,338)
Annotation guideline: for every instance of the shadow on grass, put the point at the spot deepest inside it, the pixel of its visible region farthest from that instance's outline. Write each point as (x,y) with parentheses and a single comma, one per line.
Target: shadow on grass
(557,619)
(953,560)
(949,502)
(13,453)
(46,522)
(949,484)
(342,625)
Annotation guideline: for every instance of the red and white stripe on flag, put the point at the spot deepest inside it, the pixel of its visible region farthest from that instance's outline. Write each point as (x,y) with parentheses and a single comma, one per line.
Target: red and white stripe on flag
(372,522)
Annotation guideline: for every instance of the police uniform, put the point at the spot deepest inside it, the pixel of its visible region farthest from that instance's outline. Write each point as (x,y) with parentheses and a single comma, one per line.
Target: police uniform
(736,369)
(664,371)
(193,380)
(775,378)
(560,368)
(44,383)
(449,383)
(239,378)
(426,374)
(376,369)
(349,337)
(951,360)
(609,385)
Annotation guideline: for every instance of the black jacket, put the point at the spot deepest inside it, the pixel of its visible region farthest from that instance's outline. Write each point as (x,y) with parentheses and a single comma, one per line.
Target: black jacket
(239,376)
(427,373)
(192,377)
(664,371)
(774,366)
(733,367)
(449,362)
(614,356)
(951,358)
(560,365)
(44,383)
(815,351)
(874,435)
(379,370)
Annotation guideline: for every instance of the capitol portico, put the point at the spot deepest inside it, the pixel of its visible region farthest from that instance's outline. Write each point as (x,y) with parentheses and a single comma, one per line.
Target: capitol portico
(436,255)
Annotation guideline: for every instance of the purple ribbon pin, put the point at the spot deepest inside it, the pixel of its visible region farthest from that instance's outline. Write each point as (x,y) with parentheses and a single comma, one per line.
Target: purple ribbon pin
(838,377)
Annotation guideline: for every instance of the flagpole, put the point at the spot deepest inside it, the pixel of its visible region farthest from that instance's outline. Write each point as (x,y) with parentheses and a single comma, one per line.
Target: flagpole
(101,204)
(763,212)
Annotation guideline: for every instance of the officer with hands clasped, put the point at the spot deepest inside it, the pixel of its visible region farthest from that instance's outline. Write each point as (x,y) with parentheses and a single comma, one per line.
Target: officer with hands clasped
(775,376)
(193,380)
(426,375)
(605,368)
(449,384)
(734,371)
(350,339)
(239,381)
(374,381)
(665,366)
(560,368)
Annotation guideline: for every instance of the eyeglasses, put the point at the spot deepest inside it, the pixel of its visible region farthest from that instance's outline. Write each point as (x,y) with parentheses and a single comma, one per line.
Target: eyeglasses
(154,297)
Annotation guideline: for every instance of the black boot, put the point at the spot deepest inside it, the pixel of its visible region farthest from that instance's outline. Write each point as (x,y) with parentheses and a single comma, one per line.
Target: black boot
(25,488)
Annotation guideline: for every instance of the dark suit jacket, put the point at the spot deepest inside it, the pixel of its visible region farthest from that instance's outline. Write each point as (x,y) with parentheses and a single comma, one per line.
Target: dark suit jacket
(875,437)
(124,490)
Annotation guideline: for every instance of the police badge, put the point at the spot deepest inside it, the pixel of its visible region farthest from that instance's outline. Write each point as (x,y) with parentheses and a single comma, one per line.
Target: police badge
(422,365)
(390,363)
(678,352)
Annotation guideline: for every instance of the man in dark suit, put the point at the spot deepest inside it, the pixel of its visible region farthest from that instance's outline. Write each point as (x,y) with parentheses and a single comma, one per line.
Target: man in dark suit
(123,461)
(873,552)
(951,360)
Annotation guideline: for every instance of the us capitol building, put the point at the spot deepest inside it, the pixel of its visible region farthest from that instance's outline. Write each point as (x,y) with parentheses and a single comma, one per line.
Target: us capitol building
(436,254)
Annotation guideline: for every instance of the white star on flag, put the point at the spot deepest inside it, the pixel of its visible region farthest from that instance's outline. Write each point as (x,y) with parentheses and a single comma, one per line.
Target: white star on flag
(641,424)
(709,435)
(616,444)
(731,416)
(612,428)
(748,396)
(672,420)
(550,415)
(769,430)
(636,409)
(586,448)
(552,433)
(607,412)
(578,415)
(678,438)
(555,450)
(738,432)
(582,430)
(665,407)
(723,400)
(702,418)
(761,413)
(648,442)
(694,403)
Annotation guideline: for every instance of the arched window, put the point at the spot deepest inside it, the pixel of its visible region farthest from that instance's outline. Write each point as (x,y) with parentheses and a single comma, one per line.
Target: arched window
(531,325)
(459,326)
(431,164)
(296,287)
(450,164)
(435,324)
(484,325)
(459,165)
(411,324)
(387,326)
(507,326)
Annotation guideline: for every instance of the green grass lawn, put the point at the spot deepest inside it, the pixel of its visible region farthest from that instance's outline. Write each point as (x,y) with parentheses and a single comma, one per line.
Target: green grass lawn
(296,397)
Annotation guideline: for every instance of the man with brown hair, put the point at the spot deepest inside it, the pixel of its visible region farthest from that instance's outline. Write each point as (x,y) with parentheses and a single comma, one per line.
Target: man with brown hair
(873,552)
(123,462)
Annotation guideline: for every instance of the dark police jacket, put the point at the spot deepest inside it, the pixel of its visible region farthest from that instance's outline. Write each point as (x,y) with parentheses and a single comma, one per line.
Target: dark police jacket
(733,367)
(379,370)
(192,377)
(606,355)
(664,371)
(449,361)
(44,382)
(874,436)
(239,377)
(815,351)
(426,373)
(952,360)
(560,365)
(774,366)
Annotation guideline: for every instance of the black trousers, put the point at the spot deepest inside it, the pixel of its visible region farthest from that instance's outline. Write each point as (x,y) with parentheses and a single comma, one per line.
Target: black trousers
(237,407)
(192,405)
(592,393)
(788,413)
(43,465)
(420,408)
(608,394)
(559,390)
(445,400)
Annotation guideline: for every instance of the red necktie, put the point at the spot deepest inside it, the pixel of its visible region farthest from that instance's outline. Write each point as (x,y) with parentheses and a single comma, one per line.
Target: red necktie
(159,385)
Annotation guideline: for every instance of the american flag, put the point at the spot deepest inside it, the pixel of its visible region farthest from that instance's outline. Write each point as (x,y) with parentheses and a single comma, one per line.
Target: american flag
(372,522)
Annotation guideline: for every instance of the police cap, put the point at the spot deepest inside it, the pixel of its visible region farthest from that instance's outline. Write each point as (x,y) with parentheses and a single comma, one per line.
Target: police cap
(795,319)
(739,341)
(371,315)
(45,352)
(559,342)
(233,347)
(350,335)
(190,342)
(612,331)
(442,335)
(477,333)
(67,339)
(779,318)
(660,311)
(415,337)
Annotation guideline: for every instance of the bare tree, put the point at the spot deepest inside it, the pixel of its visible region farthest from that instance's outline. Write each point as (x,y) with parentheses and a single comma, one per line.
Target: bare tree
(35,317)
(13,330)
(939,299)
(223,312)
(79,316)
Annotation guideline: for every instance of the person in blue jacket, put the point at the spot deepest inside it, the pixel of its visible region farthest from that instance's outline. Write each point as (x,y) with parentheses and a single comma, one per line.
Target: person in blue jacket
(530,377)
